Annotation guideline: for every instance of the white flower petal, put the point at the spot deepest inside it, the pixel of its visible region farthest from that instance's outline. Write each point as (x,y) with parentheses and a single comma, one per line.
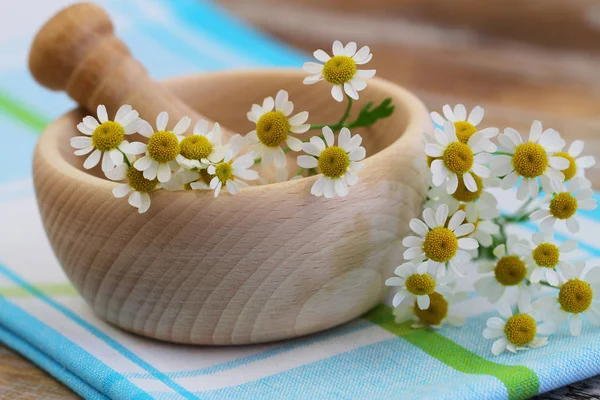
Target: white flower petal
(328,135)
(279,158)
(475,116)
(299,118)
(423,302)
(362,55)
(468,243)
(341,188)
(499,346)
(456,220)
(418,227)
(121,190)
(337,93)
(182,125)
(350,91)
(294,143)
(92,160)
(163,173)
(145,203)
(318,187)
(162,120)
(135,199)
(101,113)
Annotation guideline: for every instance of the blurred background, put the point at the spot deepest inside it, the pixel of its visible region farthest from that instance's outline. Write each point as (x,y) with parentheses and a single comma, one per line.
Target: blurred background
(519,59)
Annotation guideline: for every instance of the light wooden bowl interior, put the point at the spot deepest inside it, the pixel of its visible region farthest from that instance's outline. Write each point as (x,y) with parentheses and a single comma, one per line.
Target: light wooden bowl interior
(270,263)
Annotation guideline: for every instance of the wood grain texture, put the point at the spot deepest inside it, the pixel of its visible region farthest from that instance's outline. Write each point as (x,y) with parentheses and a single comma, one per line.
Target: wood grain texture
(22,380)
(76,51)
(270,263)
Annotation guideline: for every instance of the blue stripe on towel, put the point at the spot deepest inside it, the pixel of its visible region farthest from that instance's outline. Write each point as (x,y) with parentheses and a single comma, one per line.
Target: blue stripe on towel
(69,356)
(124,351)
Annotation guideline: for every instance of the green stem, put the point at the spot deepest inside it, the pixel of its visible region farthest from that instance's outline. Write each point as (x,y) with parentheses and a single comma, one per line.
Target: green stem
(521,214)
(341,123)
(125,158)
(300,171)
(347,112)
(501,153)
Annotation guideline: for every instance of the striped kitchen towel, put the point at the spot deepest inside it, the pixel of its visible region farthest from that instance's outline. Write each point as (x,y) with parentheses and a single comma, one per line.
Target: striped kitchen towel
(43,318)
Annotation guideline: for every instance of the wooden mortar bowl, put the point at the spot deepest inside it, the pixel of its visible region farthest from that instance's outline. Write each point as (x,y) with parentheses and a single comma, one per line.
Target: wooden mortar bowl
(272,262)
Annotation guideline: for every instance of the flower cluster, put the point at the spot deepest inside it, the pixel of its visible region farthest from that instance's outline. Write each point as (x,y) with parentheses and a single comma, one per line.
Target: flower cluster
(172,158)
(462,223)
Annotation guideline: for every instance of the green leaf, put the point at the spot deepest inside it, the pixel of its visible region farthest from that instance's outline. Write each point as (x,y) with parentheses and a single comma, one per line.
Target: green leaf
(368,116)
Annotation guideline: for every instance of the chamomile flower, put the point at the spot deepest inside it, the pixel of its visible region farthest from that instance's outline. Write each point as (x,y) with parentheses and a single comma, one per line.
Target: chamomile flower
(577,165)
(456,159)
(578,297)
(231,172)
(106,138)
(508,270)
(564,203)
(480,210)
(414,283)
(202,147)
(514,332)
(273,127)
(466,126)
(531,160)
(137,187)
(547,259)
(441,310)
(162,149)
(439,243)
(339,164)
(341,69)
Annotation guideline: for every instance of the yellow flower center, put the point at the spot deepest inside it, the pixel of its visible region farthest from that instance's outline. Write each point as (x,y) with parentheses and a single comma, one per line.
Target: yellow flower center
(108,136)
(339,70)
(530,160)
(195,147)
(546,255)
(224,171)
(563,205)
(575,296)
(420,285)
(464,130)
(333,162)
(163,146)
(465,195)
(520,329)
(510,270)
(571,171)
(139,183)
(458,158)
(437,311)
(272,128)
(440,244)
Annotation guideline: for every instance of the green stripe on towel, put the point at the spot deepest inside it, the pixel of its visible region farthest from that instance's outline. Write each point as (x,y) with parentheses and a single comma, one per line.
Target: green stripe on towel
(520,382)
(20,111)
(51,289)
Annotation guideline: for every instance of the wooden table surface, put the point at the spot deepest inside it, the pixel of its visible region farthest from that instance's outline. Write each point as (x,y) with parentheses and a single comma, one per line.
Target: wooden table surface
(519,59)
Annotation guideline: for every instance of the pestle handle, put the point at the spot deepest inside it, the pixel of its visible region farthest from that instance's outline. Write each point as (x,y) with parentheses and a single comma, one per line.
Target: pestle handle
(77,51)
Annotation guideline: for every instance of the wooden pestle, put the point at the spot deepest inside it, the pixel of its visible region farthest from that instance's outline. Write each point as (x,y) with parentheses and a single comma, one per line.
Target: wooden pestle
(77,51)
